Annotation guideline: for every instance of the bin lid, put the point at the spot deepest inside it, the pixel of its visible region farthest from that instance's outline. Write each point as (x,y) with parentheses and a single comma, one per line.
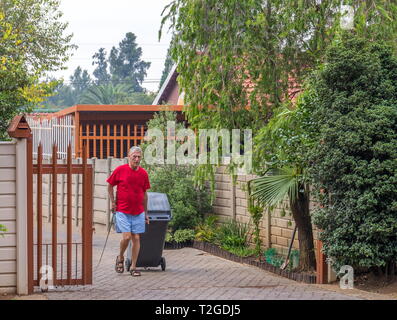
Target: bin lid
(158,204)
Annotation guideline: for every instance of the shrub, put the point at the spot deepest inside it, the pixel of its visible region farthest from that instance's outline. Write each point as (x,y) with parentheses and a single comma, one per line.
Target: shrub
(168,237)
(206,230)
(242,251)
(233,234)
(188,203)
(356,161)
(183,235)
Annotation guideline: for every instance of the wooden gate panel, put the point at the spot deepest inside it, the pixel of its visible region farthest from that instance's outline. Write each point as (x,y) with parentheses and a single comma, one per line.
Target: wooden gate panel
(63,257)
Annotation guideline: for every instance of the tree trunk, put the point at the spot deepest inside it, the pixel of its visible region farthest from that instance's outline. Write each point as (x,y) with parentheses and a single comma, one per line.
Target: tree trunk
(301,214)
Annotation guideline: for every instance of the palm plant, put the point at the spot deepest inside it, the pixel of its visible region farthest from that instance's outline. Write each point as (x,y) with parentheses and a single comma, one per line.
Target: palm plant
(278,185)
(281,156)
(106,94)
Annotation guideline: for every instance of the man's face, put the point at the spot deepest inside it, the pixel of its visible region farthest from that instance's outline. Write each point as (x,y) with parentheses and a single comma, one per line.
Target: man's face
(135,158)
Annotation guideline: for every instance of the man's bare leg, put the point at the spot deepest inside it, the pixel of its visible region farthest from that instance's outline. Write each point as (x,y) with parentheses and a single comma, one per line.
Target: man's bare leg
(136,245)
(127,236)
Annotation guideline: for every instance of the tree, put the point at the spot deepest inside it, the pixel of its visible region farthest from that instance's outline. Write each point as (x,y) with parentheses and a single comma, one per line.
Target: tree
(233,53)
(239,61)
(137,98)
(32,42)
(281,148)
(355,161)
(101,71)
(80,81)
(168,63)
(105,94)
(126,65)
(62,96)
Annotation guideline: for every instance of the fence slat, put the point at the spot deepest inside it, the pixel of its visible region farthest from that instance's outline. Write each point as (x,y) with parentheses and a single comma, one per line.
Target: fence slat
(94,140)
(54,210)
(69,216)
(101,142)
(108,141)
(80,140)
(114,141)
(39,208)
(121,141)
(135,133)
(87,222)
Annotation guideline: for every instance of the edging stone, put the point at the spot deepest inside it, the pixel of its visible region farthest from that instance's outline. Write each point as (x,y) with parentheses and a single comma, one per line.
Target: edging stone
(219,252)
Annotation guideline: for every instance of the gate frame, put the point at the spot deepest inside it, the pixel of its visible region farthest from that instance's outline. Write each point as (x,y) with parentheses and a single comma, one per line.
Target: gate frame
(20,130)
(69,169)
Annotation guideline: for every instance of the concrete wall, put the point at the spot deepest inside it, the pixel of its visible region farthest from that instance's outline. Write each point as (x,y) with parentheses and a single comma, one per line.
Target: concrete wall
(276,228)
(8,242)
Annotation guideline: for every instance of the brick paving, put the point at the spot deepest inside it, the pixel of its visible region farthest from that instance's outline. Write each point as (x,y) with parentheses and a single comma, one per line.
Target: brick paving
(192,274)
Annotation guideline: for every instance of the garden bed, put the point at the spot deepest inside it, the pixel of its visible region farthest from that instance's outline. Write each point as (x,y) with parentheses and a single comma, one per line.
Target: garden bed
(219,252)
(177,245)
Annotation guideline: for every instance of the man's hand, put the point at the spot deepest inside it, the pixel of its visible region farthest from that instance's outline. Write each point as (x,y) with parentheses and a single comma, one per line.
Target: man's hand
(147,218)
(114,206)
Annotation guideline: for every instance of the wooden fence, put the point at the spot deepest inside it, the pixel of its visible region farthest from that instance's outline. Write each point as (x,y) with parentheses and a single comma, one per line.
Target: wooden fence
(110,140)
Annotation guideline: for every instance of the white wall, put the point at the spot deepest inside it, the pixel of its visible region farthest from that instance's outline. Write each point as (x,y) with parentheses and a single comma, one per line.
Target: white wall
(8,242)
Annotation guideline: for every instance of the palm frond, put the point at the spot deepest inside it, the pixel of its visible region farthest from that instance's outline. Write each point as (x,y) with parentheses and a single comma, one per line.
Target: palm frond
(273,188)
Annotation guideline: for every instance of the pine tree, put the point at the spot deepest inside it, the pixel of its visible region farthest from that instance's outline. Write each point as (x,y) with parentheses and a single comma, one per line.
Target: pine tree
(101,71)
(126,65)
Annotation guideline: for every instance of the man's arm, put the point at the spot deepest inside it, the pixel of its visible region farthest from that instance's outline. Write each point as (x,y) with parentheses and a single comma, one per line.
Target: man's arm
(111,196)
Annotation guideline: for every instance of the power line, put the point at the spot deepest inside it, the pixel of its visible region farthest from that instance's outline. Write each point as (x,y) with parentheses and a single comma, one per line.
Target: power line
(85,59)
(113,81)
(112,44)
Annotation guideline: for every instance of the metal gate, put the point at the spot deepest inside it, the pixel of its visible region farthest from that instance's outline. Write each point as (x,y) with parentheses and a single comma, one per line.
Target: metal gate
(67,255)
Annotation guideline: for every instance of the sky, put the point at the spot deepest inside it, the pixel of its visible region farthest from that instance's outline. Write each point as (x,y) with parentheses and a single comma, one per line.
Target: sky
(104,23)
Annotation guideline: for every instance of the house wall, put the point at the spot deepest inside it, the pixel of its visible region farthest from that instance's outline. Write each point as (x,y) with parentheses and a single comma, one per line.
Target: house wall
(8,242)
(173,96)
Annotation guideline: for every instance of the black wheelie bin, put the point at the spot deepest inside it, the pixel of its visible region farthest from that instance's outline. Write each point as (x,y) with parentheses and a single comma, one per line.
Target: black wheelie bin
(152,241)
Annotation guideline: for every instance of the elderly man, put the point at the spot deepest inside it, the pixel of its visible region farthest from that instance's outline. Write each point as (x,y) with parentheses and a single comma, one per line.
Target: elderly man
(130,206)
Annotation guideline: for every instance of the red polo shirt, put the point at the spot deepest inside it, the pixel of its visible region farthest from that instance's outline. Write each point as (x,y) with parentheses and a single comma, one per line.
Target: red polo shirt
(131,187)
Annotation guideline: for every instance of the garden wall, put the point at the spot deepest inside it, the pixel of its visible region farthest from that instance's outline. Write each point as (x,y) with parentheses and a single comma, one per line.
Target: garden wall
(231,203)
(8,242)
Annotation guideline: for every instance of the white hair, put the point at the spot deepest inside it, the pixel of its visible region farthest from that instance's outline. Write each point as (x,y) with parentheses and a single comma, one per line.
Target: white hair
(134,149)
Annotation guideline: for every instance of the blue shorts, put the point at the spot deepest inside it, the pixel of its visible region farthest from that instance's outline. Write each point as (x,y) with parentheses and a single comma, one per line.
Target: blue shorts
(130,223)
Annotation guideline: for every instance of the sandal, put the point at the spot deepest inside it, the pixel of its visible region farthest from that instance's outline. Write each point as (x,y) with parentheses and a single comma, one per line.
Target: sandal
(119,265)
(135,273)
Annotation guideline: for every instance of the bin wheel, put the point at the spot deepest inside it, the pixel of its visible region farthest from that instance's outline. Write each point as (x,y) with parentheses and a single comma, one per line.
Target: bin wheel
(162,263)
(127,264)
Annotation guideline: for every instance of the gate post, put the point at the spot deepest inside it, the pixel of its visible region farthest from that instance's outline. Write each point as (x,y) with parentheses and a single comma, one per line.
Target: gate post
(20,130)
(322,267)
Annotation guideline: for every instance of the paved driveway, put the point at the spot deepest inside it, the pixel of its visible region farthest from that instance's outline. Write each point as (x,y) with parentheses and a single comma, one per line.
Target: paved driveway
(191,274)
